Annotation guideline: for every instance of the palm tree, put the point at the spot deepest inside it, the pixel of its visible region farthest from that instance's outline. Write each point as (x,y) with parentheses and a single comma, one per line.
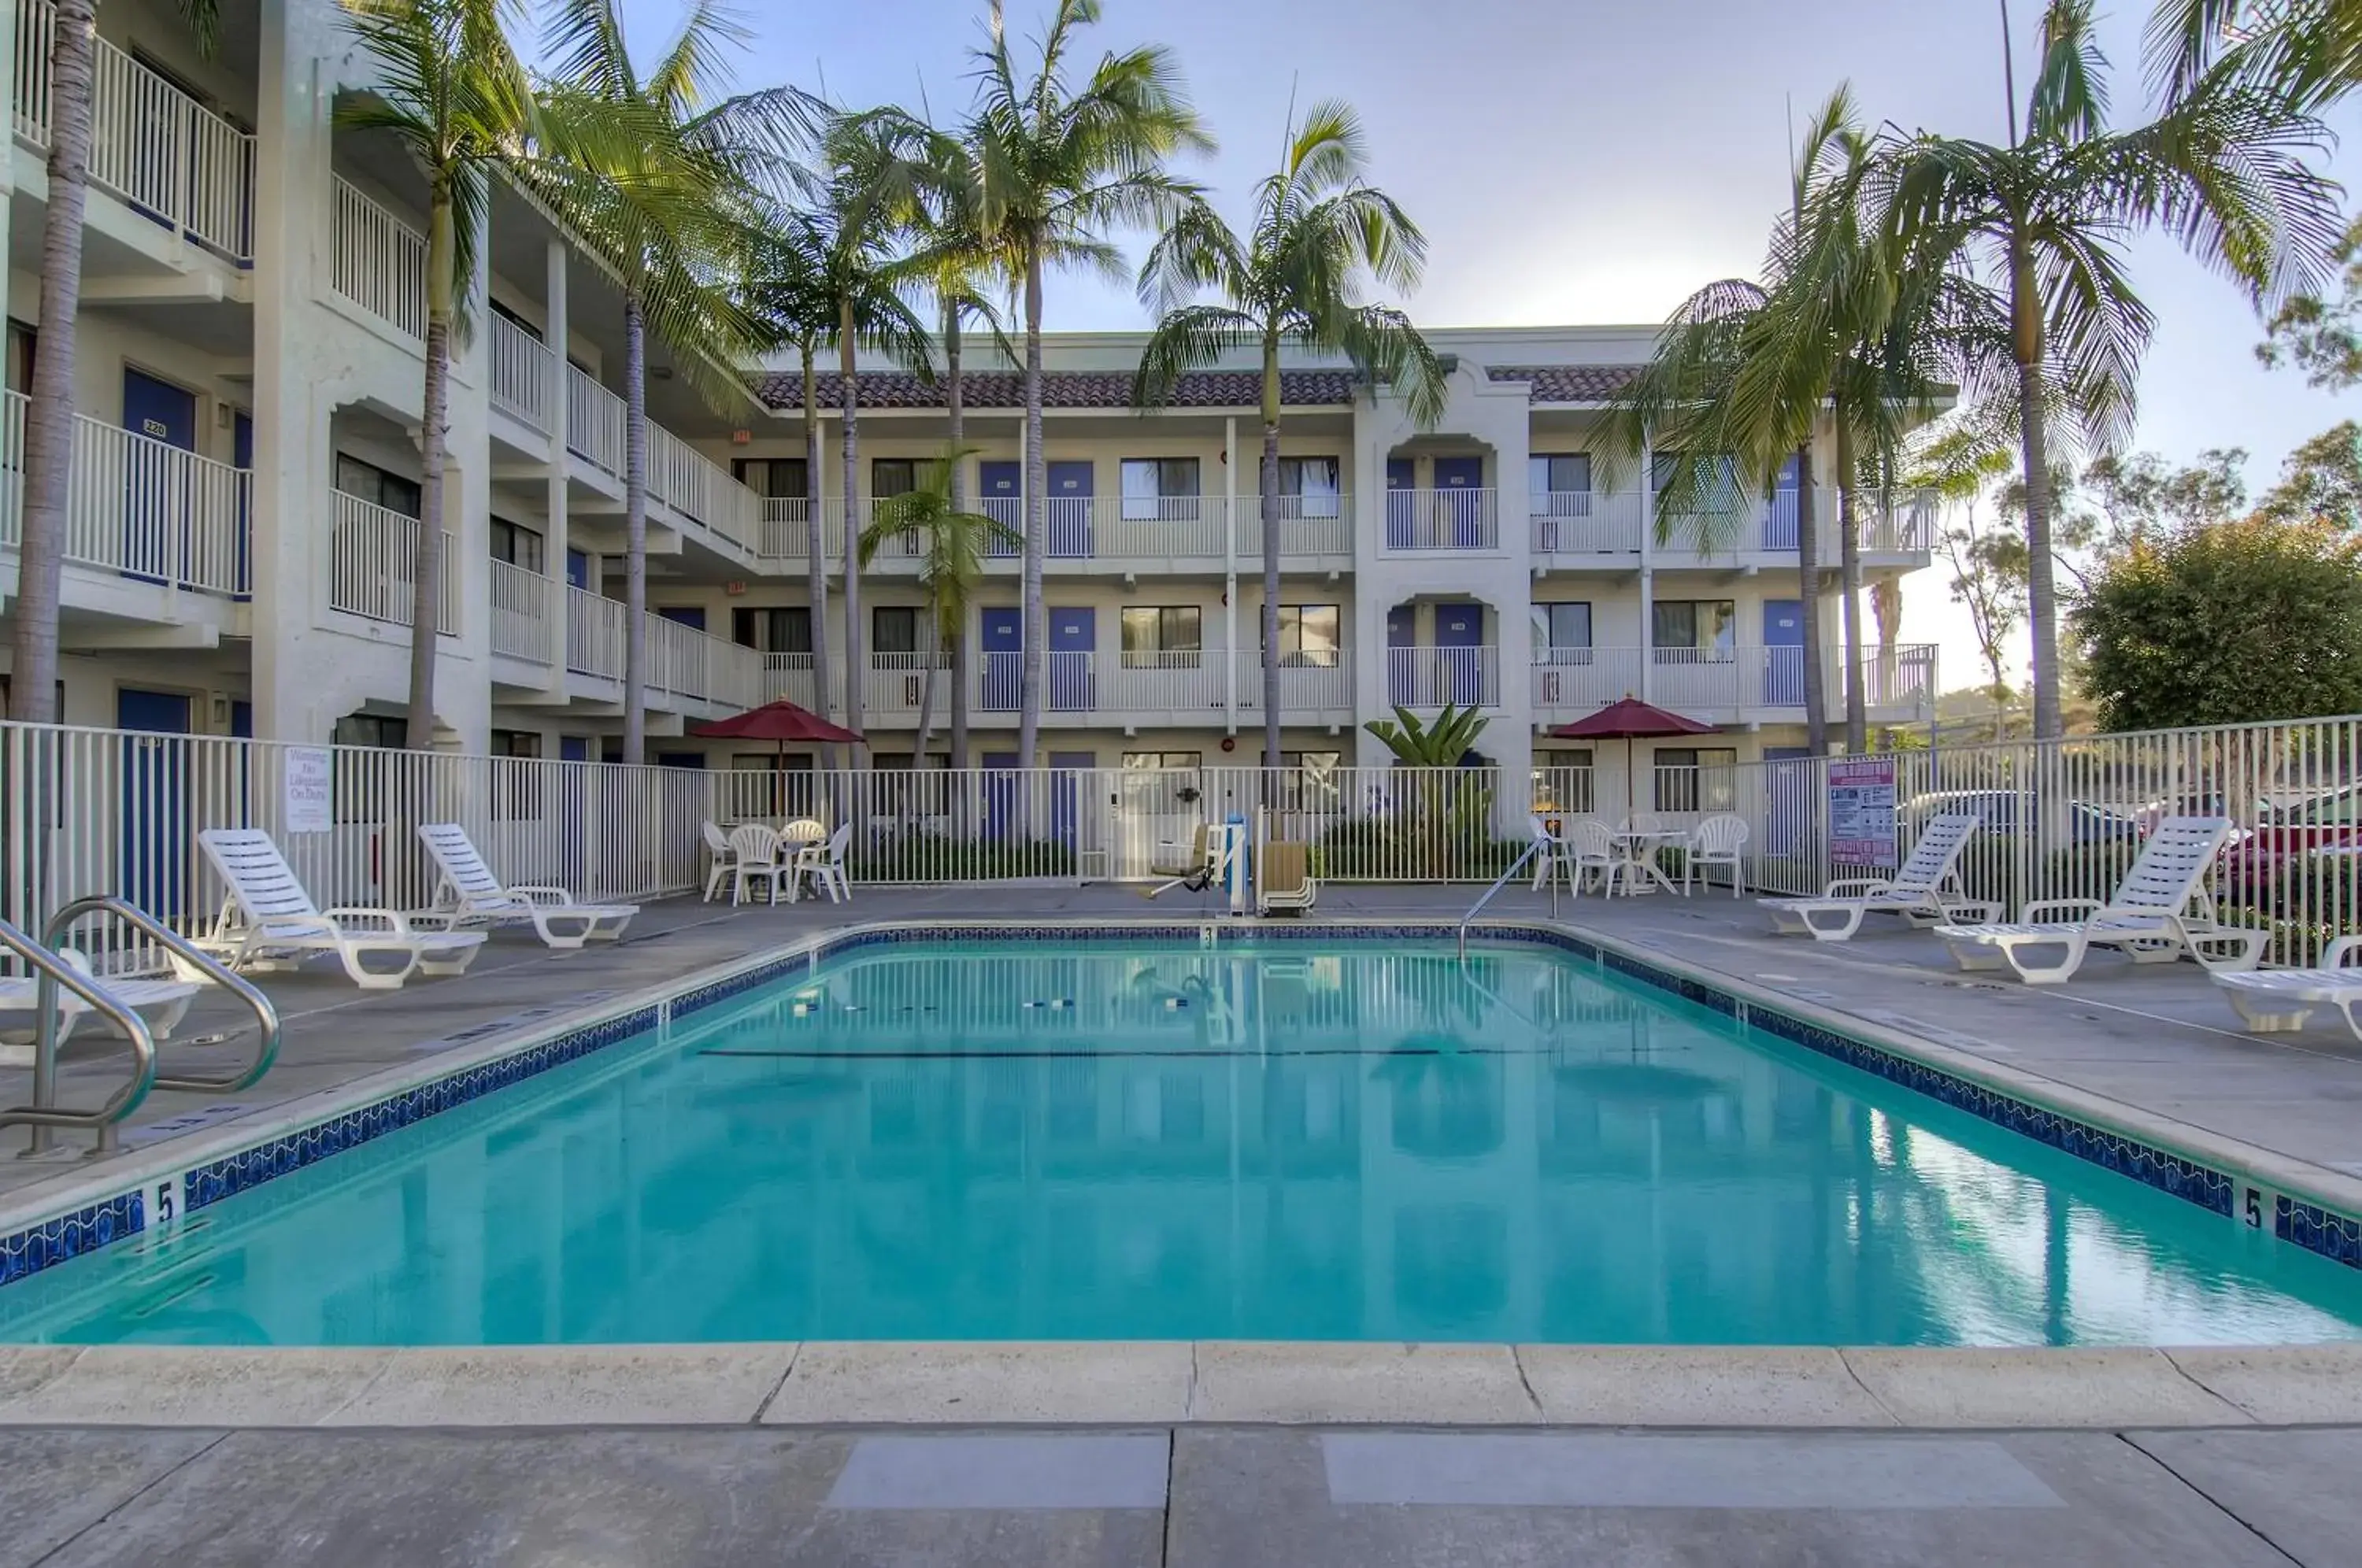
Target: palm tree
(656,173)
(781,286)
(2310,52)
(1296,279)
(952,544)
(50,409)
(450,90)
(1058,169)
(2042,223)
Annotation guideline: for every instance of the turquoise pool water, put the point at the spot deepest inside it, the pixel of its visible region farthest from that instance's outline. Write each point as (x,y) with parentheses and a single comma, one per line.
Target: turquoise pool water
(1361,1141)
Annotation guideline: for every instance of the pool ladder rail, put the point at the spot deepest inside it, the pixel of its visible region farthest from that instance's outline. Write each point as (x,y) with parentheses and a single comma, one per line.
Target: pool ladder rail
(1519,863)
(44,1115)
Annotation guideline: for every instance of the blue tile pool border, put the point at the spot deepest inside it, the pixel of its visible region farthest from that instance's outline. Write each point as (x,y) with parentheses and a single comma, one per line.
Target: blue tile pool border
(57,1238)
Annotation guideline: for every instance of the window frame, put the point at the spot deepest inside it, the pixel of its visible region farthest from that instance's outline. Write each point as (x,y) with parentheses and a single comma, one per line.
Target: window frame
(1168,624)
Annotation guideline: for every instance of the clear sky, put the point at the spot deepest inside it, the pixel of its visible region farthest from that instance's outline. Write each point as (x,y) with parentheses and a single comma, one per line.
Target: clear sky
(1579,160)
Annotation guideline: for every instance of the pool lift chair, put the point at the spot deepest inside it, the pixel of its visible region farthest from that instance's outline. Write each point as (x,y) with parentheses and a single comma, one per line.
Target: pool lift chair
(1214,848)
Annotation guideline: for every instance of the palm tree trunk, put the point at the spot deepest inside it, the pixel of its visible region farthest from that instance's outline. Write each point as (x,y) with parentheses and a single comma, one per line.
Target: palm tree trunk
(1886,609)
(926,689)
(433,442)
(2041,586)
(954,623)
(48,414)
(1037,480)
(1857,706)
(1269,489)
(816,547)
(848,398)
(635,531)
(1808,588)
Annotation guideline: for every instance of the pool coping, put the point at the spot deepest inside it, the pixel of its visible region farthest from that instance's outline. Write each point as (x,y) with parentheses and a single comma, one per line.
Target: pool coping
(96,1205)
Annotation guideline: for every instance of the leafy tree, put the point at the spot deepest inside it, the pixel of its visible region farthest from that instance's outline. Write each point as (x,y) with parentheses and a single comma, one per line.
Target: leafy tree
(2044,220)
(50,409)
(2322,337)
(1959,464)
(1294,277)
(2230,624)
(1056,169)
(2320,481)
(450,90)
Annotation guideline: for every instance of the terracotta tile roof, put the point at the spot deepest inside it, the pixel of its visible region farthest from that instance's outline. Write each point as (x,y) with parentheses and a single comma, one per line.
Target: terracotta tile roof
(1566,383)
(1066,389)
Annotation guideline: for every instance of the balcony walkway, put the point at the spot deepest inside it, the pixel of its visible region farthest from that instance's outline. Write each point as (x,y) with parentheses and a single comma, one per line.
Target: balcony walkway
(2160,1042)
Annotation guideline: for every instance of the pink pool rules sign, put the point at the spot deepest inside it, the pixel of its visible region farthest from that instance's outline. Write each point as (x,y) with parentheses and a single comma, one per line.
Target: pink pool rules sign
(1861,811)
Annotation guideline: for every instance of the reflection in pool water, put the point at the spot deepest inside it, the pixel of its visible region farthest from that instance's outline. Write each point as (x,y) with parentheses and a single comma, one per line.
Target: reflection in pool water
(1366,1141)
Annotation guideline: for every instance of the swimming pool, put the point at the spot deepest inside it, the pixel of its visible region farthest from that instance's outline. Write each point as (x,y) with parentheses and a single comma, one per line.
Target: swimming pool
(1321,1138)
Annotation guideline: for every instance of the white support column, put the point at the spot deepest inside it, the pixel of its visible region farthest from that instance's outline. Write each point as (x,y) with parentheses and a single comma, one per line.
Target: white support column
(554,543)
(1230,574)
(1648,570)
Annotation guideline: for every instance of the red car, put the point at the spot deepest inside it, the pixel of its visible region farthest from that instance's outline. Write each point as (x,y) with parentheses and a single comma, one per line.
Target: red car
(2325,829)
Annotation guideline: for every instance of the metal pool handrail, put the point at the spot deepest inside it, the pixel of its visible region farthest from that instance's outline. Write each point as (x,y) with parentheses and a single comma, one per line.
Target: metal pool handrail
(266,1016)
(1498,883)
(44,1112)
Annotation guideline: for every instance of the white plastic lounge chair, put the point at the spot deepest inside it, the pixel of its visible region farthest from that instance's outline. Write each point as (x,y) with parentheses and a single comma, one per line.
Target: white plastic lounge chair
(468,894)
(1284,879)
(718,858)
(269,922)
(1925,891)
(2277,1001)
(2150,918)
(754,857)
(1716,840)
(160,1003)
(825,864)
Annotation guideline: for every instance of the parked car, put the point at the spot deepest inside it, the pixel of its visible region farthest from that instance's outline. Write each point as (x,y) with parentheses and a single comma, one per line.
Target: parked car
(2323,827)
(2001,811)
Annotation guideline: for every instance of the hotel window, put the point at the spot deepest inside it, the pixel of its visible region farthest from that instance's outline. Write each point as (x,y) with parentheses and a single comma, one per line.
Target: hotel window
(786,630)
(1159,488)
(1309,637)
(894,637)
(377,486)
(1561,482)
(1563,779)
(516,544)
(773,479)
(1563,634)
(1308,779)
(516,793)
(1694,630)
(22,341)
(513,319)
(356,789)
(1167,636)
(892,477)
(1169,761)
(1311,484)
(1700,779)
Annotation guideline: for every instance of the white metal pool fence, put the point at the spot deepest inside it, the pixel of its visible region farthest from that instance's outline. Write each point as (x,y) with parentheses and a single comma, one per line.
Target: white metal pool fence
(89,811)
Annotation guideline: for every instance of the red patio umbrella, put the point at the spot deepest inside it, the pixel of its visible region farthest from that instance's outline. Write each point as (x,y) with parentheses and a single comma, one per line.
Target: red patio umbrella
(1629,720)
(781,722)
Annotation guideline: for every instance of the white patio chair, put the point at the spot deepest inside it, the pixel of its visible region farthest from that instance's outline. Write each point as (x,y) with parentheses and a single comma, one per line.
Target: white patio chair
(2149,919)
(2277,1001)
(468,894)
(825,864)
(1590,846)
(1717,841)
(1550,851)
(754,857)
(269,922)
(1644,822)
(161,1004)
(718,855)
(1925,891)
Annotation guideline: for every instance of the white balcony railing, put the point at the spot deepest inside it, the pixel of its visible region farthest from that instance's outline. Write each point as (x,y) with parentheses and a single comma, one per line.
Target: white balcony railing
(1431,677)
(1587,522)
(894,684)
(1442,520)
(595,422)
(594,634)
(138,505)
(1069,682)
(175,161)
(1570,682)
(789,676)
(525,617)
(373,564)
(524,374)
(1184,684)
(698,491)
(1307,690)
(688,663)
(379,262)
(1308,526)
